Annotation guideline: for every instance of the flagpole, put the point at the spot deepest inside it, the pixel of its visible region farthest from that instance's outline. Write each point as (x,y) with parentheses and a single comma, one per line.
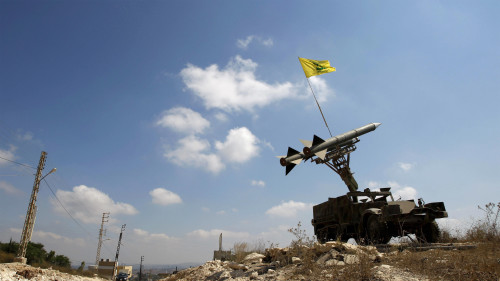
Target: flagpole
(321,111)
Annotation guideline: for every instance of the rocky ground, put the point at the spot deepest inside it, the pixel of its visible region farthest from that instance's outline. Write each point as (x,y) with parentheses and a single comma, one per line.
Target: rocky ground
(21,272)
(331,261)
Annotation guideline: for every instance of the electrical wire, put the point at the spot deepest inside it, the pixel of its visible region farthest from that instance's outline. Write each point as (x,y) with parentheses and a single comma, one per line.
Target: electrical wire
(25,165)
(73,218)
(60,203)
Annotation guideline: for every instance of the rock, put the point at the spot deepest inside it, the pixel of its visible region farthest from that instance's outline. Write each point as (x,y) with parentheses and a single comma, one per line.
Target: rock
(225,274)
(323,258)
(333,262)
(254,275)
(351,259)
(253,258)
(237,266)
(296,260)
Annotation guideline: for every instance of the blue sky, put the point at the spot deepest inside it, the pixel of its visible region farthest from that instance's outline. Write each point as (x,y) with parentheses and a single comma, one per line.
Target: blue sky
(169,115)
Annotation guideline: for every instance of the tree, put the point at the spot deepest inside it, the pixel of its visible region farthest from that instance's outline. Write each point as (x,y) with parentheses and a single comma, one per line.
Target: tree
(35,253)
(62,261)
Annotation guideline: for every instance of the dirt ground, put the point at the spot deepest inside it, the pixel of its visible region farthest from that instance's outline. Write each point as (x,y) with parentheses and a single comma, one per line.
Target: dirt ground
(21,272)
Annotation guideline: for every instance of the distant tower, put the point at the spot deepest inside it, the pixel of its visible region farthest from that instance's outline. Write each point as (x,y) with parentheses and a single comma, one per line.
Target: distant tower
(220,242)
(105,217)
(119,243)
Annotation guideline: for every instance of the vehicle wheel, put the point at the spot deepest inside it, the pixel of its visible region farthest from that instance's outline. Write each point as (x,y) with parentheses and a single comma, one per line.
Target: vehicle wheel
(322,235)
(377,231)
(431,232)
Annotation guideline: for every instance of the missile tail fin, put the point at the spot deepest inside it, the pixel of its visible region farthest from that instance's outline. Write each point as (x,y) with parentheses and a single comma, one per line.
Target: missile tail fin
(291,152)
(289,168)
(321,154)
(317,140)
(306,143)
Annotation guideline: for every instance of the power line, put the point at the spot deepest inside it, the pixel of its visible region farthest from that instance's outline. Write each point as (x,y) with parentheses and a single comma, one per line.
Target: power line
(65,207)
(25,165)
(60,203)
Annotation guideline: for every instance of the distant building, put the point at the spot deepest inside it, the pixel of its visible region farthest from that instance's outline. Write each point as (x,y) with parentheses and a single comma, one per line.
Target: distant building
(220,254)
(124,268)
(106,268)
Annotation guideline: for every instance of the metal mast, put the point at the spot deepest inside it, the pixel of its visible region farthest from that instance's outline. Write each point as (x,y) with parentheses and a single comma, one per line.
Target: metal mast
(105,217)
(31,213)
(140,269)
(119,243)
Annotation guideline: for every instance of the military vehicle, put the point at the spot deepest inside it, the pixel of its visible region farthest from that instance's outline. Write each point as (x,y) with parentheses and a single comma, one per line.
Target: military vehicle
(368,216)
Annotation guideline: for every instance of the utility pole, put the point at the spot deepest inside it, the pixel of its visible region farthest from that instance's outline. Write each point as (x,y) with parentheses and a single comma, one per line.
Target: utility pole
(118,250)
(29,222)
(105,217)
(119,243)
(140,269)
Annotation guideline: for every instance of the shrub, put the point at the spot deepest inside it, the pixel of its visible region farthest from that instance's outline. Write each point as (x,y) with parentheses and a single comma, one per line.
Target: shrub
(486,229)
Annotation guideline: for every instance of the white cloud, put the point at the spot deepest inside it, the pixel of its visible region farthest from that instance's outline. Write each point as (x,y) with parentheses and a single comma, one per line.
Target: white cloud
(88,203)
(183,120)
(205,209)
(244,43)
(164,197)
(289,209)
(406,166)
(214,233)
(221,117)
(321,89)
(258,183)
(373,184)
(454,226)
(146,236)
(267,42)
(403,192)
(239,147)
(235,87)
(40,235)
(398,191)
(192,151)
(8,154)
(9,188)
(24,136)
(221,212)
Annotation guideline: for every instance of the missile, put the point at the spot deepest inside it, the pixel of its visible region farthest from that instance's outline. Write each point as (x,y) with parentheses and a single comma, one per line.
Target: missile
(320,147)
(292,159)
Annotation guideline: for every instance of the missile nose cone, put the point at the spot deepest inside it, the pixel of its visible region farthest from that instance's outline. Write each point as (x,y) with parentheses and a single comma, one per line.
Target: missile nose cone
(377,124)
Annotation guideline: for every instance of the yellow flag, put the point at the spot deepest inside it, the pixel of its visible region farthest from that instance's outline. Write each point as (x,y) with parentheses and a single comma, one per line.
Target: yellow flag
(315,67)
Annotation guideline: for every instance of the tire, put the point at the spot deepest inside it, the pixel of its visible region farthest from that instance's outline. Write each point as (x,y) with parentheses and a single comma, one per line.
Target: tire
(377,231)
(431,232)
(322,235)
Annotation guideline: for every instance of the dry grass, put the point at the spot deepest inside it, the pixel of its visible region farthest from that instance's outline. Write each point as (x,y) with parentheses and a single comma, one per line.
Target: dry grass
(242,249)
(481,263)
(476,264)
(6,257)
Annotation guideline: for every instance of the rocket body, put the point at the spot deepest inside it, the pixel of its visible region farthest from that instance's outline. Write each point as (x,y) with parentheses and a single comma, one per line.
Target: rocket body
(320,147)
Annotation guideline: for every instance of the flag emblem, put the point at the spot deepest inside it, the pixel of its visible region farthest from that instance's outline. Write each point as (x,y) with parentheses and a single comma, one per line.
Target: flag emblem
(315,67)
